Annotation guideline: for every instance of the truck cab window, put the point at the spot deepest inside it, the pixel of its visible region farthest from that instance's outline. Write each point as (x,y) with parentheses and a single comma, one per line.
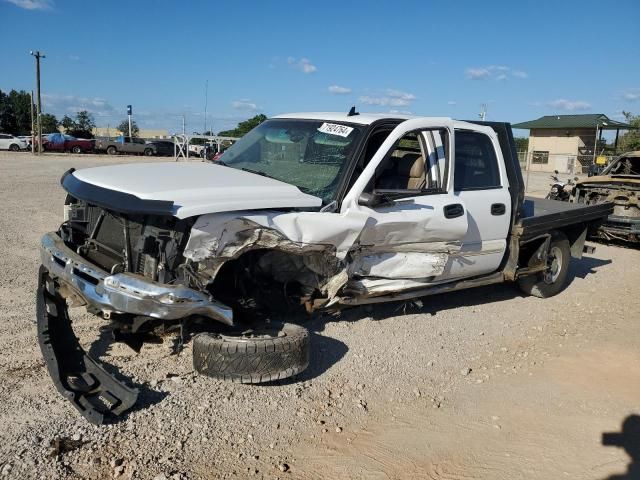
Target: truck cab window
(476,166)
(416,162)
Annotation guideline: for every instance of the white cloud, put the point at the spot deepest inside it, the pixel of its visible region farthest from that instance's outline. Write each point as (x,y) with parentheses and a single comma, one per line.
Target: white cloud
(393,98)
(303,64)
(570,105)
(452,102)
(478,73)
(632,95)
(401,112)
(33,4)
(244,104)
(338,90)
(70,104)
(496,72)
(74,58)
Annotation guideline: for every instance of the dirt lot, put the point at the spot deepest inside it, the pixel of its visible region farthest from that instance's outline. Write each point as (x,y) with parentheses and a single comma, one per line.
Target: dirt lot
(482,384)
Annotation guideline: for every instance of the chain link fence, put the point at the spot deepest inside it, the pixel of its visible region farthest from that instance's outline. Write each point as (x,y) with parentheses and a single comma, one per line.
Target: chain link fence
(563,162)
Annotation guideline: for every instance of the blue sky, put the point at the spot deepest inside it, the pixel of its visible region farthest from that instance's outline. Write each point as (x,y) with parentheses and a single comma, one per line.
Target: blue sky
(523,59)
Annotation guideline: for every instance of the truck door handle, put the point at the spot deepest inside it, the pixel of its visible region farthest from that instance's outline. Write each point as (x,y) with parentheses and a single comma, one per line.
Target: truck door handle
(453,211)
(498,209)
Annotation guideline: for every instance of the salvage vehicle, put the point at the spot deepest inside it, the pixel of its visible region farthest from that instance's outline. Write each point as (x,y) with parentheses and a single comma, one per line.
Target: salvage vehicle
(619,183)
(123,144)
(416,206)
(60,142)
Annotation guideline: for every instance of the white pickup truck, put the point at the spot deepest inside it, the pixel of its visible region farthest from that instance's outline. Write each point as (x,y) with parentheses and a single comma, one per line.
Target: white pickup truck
(307,212)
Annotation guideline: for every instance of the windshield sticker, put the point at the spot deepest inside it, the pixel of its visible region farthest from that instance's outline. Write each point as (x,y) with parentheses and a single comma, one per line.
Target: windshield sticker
(335,129)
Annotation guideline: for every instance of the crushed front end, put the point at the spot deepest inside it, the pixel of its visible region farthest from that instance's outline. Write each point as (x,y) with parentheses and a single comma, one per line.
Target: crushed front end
(624,223)
(127,269)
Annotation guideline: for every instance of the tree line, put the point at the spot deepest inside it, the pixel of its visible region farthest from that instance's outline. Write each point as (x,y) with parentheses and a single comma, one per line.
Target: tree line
(15,118)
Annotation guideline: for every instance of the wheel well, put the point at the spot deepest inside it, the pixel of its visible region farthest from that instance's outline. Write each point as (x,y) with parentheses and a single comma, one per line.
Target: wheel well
(268,281)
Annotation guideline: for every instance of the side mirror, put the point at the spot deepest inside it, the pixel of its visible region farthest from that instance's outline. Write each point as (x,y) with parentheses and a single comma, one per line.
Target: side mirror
(369,199)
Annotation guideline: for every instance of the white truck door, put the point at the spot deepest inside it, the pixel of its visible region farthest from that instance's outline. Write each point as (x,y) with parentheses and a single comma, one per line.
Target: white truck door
(480,181)
(415,221)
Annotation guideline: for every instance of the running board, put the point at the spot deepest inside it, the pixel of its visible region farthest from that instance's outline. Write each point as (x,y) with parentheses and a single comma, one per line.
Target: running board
(97,395)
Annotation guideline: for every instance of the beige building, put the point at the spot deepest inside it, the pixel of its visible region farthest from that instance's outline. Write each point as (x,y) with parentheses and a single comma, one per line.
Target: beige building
(144,133)
(568,143)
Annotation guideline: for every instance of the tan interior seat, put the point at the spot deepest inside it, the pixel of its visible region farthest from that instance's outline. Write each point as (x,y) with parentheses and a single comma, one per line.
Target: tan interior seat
(407,172)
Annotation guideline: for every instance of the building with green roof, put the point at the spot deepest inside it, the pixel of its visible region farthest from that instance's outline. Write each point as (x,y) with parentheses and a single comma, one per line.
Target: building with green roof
(568,143)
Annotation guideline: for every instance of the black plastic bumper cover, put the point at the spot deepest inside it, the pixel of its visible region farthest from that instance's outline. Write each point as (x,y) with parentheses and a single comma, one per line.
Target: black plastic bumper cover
(97,395)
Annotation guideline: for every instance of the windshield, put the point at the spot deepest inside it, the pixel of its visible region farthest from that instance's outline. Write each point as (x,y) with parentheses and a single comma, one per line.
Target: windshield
(306,153)
(623,166)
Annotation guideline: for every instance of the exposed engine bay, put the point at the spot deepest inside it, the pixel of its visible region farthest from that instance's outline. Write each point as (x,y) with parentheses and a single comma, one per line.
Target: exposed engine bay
(250,277)
(620,185)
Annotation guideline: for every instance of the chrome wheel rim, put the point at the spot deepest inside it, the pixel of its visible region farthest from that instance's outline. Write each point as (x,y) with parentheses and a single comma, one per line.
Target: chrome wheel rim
(554,265)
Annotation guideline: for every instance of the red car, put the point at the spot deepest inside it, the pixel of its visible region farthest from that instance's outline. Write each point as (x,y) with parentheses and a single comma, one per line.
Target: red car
(58,142)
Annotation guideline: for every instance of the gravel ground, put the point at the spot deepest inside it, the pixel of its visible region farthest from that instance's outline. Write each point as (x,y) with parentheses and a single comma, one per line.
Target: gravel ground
(482,383)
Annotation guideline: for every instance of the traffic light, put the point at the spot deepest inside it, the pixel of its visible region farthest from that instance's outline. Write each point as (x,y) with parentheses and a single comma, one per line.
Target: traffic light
(129,110)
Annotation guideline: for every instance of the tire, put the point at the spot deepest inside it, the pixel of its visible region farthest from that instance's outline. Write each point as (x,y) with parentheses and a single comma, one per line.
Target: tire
(14,148)
(552,281)
(76,149)
(278,352)
(112,150)
(148,152)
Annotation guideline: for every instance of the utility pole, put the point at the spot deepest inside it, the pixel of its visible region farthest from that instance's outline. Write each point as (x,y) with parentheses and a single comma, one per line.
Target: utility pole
(38,56)
(483,111)
(206,100)
(33,129)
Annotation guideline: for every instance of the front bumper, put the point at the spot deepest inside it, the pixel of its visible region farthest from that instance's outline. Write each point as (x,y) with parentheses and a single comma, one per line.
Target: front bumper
(126,292)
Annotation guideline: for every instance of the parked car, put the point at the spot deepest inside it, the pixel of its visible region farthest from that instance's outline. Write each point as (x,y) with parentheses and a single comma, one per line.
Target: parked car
(164,148)
(227,248)
(59,142)
(618,183)
(125,145)
(12,143)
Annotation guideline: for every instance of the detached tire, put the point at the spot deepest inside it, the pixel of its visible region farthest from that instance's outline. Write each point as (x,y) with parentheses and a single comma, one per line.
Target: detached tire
(273,353)
(554,279)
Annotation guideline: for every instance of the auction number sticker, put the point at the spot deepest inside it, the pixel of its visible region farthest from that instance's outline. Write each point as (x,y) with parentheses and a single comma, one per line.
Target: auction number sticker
(335,129)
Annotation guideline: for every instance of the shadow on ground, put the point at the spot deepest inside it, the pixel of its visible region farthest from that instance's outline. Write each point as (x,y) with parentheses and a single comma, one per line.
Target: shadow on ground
(146,396)
(629,440)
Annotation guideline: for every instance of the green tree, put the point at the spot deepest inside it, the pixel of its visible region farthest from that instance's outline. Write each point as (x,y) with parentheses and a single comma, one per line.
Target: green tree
(67,123)
(8,122)
(21,104)
(85,121)
(630,140)
(244,127)
(82,126)
(49,123)
(124,128)
(522,144)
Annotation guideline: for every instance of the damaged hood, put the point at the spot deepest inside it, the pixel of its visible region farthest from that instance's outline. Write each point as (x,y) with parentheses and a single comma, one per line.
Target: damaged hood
(631,180)
(182,189)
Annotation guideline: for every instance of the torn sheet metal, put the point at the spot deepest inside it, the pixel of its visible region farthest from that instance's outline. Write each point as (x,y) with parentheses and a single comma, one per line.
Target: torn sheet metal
(225,234)
(400,265)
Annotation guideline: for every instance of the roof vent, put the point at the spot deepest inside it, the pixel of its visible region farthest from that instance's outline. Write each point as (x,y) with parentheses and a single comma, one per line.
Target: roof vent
(352,112)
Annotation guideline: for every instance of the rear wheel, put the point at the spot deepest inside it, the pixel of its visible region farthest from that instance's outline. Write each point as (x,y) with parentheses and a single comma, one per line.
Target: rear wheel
(76,149)
(553,279)
(148,152)
(255,356)
(14,148)
(112,150)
